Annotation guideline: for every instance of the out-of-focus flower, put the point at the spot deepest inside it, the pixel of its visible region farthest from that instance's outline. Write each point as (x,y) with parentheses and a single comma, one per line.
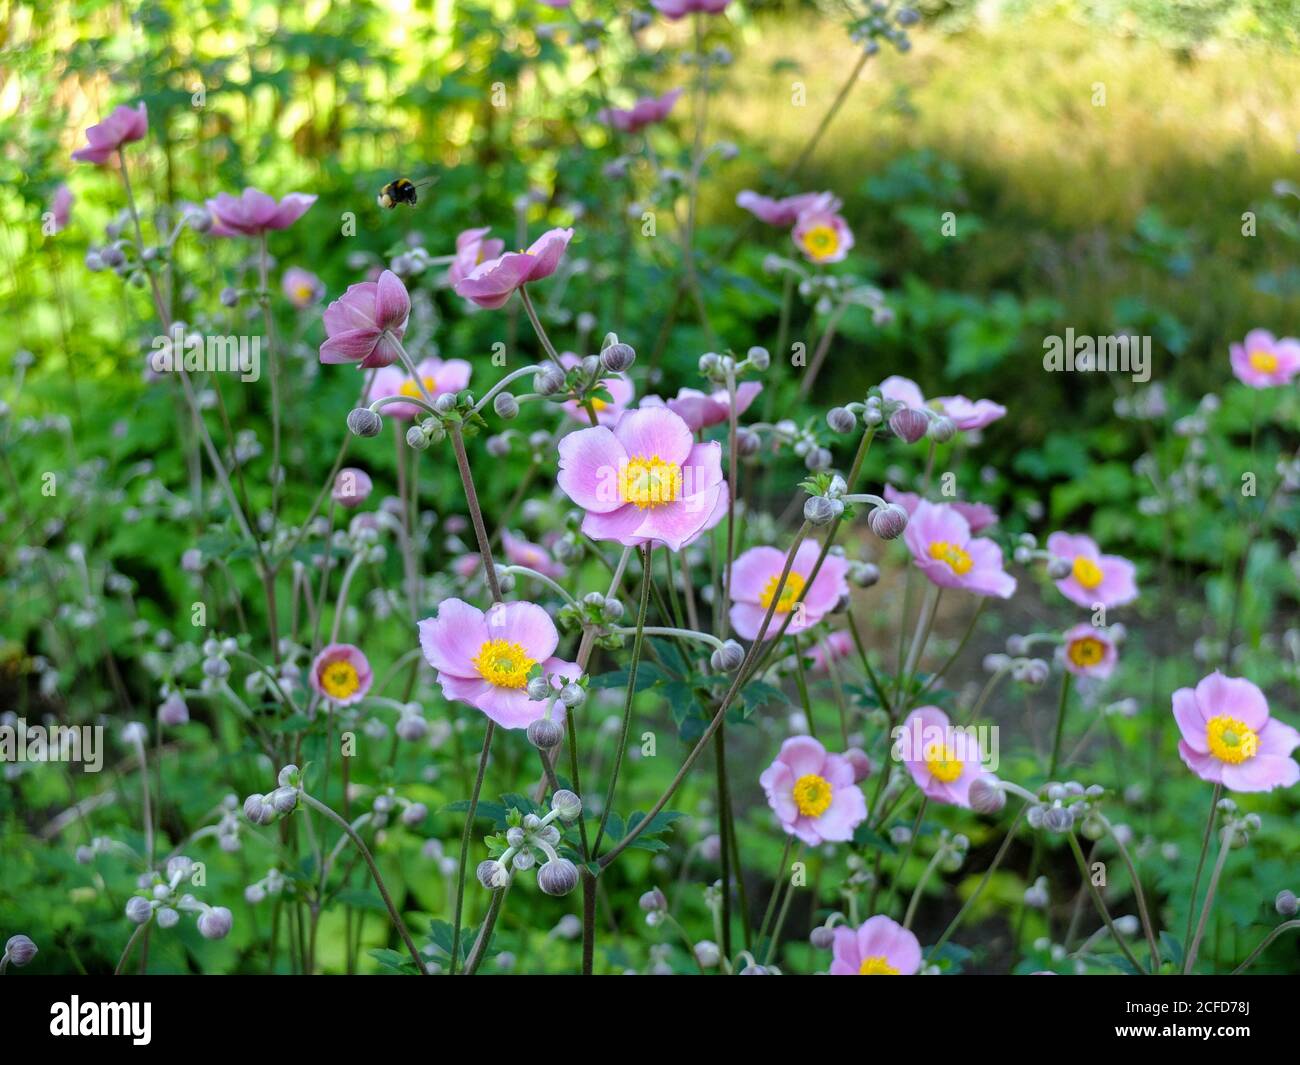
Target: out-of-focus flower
(814,794)
(880,947)
(123,126)
(1262,361)
(520,552)
(785,212)
(1229,737)
(366,324)
(979,516)
(968,414)
(341,674)
(61,207)
(943,548)
(701,410)
(352,487)
(644,112)
(1089,652)
(301,287)
(473,248)
(677,9)
(493,282)
(756,574)
(1093,577)
(837,645)
(484,660)
(254,212)
(902,390)
(646,480)
(822,236)
(437,376)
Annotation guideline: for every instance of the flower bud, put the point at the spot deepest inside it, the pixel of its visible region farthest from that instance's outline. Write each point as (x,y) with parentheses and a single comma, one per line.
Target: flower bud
(566,804)
(258,810)
(168,918)
(857,758)
(818,458)
(20,950)
(506,405)
(492,874)
(444,403)
(985,796)
(215,923)
(173,711)
(284,800)
(942,429)
(653,900)
(572,695)
(362,421)
(819,510)
(539,689)
(611,610)
(545,734)
(138,909)
(727,658)
(759,358)
(748,442)
(709,363)
(822,938)
(707,954)
(1285,903)
(558,876)
(888,522)
(841,419)
(618,357)
(909,425)
(1058,819)
(1059,568)
(229,297)
(549,380)
(864,574)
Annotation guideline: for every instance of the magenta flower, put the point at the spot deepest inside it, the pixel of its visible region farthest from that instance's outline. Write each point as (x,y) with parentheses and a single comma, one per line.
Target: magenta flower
(700,410)
(341,674)
(520,552)
(644,112)
(880,947)
(436,375)
(124,125)
(754,578)
(785,212)
(646,480)
(813,793)
(823,236)
(608,411)
(1265,362)
(493,282)
(943,760)
(352,487)
(1089,652)
(473,248)
(301,287)
(366,324)
(969,414)
(677,9)
(941,544)
(253,212)
(902,390)
(1094,577)
(1229,737)
(485,660)
(837,645)
(979,516)
(61,207)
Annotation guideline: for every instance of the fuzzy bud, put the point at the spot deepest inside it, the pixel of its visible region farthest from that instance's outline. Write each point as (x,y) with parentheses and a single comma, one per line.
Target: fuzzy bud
(572,695)
(748,442)
(617,357)
(1285,903)
(841,419)
(909,425)
(539,689)
(942,429)
(549,380)
(362,421)
(545,734)
(506,405)
(819,510)
(20,950)
(258,810)
(728,657)
(759,358)
(558,877)
(888,522)
(492,874)
(1059,568)
(215,923)
(138,909)
(864,574)
(566,804)
(985,796)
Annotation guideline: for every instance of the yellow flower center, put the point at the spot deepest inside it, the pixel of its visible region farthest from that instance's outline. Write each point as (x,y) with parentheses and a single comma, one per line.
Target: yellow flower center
(958,561)
(794,586)
(1087,651)
(339,679)
(650,482)
(876,965)
(821,241)
(812,795)
(1087,572)
(411,387)
(1263,361)
(1230,740)
(942,762)
(503,663)
(304,292)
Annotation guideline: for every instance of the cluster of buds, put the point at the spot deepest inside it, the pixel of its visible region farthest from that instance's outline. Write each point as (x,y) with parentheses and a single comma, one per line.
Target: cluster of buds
(270,885)
(263,809)
(167,902)
(950,854)
(1061,806)
(216,665)
(88,852)
(722,369)
(909,424)
(879,24)
(887,520)
(1024,668)
(1235,831)
(528,839)
(654,903)
(594,610)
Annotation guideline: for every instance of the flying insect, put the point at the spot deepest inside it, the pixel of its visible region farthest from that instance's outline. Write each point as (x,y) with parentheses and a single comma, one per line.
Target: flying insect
(401,190)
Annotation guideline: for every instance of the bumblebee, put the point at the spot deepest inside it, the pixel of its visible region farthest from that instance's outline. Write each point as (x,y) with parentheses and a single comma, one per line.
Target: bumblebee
(402,190)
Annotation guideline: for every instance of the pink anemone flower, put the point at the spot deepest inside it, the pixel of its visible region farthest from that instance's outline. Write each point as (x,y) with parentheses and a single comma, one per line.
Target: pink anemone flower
(485,660)
(979,516)
(352,487)
(678,9)
(701,410)
(366,324)
(473,248)
(1229,737)
(1094,577)
(813,793)
(902,390)
(608,411)
(943,548)
(880,947)
(301,287)
(61,207)
(944,761)
(754,578)
(785,212)
(437,376)
(493,282)
(254,212)
(837,645)
(822,236)
(123,126)
(645,480)
(1263,361)
(644,112)
(521,552)
(1089,652)
(968,414)
(341,674)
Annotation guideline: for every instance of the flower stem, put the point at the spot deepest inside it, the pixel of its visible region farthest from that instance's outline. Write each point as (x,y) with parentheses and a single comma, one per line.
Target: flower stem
(1224,846)
(538,328)
(485,933)
(464,844)
(1200,865)
(1100,903)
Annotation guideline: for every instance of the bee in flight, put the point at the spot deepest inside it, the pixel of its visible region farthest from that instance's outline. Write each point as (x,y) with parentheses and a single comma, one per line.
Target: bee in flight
(403,190)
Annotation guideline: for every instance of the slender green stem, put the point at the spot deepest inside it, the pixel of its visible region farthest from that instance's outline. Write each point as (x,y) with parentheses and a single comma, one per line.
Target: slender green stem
(1285,926)
(485,933)
(955,923)
(1200,865)
(1224,846)
(1100,903)
(1059,735)
(464,845)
